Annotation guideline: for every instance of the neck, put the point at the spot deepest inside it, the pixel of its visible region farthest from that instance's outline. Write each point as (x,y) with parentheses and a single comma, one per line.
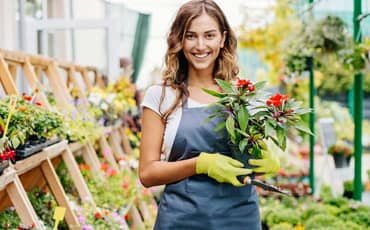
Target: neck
(201,78)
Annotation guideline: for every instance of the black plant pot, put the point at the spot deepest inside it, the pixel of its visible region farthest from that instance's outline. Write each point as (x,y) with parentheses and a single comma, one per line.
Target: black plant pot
(3,166)
(340,161)
(242,157)
(348,194)
(29,148)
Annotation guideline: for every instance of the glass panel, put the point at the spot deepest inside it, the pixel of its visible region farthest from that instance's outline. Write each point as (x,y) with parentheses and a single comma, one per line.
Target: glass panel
(91,48)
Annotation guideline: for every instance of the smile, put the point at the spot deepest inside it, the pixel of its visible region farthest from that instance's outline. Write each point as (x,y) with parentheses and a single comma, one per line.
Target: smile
(201,56)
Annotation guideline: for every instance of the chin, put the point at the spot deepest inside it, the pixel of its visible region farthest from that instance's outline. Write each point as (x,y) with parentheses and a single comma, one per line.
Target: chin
(202,66)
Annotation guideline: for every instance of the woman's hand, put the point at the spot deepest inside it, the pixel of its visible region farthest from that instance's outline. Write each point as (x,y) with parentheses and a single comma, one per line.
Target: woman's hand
(221,168)
(269,163)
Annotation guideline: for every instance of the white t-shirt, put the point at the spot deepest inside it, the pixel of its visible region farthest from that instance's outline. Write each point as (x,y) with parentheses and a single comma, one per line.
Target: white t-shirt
(151,100)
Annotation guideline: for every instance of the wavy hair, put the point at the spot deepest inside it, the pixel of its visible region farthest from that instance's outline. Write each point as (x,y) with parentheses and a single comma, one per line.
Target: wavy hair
(176,66)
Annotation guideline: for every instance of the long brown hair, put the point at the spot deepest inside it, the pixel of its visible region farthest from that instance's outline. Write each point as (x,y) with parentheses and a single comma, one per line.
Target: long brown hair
(176,65)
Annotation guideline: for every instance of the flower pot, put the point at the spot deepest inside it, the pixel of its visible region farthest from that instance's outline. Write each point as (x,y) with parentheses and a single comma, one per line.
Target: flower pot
(340,161)
(3,166)
(242,157)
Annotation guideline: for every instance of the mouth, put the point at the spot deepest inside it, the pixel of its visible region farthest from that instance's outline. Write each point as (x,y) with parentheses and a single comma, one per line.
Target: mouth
(201,55)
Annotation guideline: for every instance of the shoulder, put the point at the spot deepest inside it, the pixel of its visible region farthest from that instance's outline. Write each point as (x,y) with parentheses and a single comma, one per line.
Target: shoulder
(156,91)
(153,94)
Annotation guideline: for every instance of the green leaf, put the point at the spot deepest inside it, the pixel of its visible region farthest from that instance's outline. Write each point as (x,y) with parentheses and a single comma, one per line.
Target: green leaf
(243,133)
(259,85)
(15,142)
(268,129)
(220,126)
(243,143)
(230,127)
(213,93)
(301,125)
(243,118)
(225,85)
(281,136)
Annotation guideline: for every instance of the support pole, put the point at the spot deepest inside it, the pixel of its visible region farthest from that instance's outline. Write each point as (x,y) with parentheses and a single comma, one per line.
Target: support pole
(357,109)
(312,122)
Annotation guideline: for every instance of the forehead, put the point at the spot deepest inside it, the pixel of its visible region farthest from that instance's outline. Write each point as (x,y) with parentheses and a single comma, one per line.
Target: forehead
(203,23)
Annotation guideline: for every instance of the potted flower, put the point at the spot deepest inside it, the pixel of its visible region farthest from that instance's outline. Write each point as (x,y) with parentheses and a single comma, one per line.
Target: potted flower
(341,153)
(252,116)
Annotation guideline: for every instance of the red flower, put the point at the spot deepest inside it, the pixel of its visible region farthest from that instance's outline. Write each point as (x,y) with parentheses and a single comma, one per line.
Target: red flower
(127,217)
(38,103)
(125,185)
(27,97)
(242,82)
(277,100)
(251,88)
(98,215)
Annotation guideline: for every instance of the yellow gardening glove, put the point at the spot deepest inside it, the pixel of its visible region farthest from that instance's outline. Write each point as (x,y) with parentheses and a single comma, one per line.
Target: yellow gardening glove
(221,168)
(269,163)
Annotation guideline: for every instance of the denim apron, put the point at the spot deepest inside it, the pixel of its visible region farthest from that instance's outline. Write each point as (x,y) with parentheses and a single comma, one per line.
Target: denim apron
(200,202)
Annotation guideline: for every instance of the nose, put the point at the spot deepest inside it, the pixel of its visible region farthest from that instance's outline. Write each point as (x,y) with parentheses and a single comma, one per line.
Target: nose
(201,43)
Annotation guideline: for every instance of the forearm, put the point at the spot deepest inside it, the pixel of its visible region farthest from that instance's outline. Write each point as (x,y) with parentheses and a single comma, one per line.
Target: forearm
(160,172)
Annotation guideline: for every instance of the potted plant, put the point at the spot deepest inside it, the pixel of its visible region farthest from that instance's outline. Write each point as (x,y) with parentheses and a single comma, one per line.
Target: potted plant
(341,153)
(252,117)
(348,189)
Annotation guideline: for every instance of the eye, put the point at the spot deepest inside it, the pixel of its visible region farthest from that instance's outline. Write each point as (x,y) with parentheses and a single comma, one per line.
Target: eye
(189,36)
(210,36)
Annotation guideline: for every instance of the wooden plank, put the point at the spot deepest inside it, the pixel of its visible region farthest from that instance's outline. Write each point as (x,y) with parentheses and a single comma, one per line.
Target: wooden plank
(75,146)
(76,84)
(13,56)
(99,80)
(38,72)
(59,194)
(57,85)
(92,159)
(32,179)
(13,71)
(116,145)
(29,163)
(56,149)
(6,178)
(34,83)
(137,222)
(6,78)
(86,80)
(77,177)
(143,208)
(22,204)
(106,148)
(125,141)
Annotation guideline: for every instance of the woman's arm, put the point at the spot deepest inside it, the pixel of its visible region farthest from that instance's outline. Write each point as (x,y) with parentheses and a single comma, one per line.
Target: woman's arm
(152,171)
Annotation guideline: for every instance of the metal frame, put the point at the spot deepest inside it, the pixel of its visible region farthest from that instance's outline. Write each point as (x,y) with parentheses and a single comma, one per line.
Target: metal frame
(111,27)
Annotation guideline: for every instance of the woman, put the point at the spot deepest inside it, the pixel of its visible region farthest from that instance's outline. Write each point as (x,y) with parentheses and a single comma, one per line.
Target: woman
(201,191)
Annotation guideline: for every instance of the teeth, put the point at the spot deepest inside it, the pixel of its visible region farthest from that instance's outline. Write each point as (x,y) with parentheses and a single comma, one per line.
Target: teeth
(201,55)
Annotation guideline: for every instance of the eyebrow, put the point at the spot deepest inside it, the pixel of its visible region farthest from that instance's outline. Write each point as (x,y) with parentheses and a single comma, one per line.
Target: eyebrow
(208,31)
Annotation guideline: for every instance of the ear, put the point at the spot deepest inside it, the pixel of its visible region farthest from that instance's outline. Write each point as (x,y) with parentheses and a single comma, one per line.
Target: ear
(224,34)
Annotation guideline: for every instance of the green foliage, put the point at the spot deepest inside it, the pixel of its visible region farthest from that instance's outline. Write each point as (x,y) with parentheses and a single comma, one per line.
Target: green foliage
(44,204)
(325,221)
(282,226)
(282,216)
(29,120)
(9,219)
(251,117)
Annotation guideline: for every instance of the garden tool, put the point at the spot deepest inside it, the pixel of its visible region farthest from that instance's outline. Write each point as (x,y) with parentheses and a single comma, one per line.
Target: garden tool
(264,186)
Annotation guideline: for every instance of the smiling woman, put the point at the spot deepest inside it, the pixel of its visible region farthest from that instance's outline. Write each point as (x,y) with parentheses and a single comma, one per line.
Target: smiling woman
(202,190)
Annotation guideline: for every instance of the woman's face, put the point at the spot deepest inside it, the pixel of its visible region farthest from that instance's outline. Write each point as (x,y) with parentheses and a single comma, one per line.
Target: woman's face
(202,43)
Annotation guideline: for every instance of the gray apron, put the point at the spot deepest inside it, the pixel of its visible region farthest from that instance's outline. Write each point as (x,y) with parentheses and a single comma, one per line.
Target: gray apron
(200,202)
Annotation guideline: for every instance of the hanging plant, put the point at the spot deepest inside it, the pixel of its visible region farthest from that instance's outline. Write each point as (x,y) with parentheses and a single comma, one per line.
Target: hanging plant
(327,35)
